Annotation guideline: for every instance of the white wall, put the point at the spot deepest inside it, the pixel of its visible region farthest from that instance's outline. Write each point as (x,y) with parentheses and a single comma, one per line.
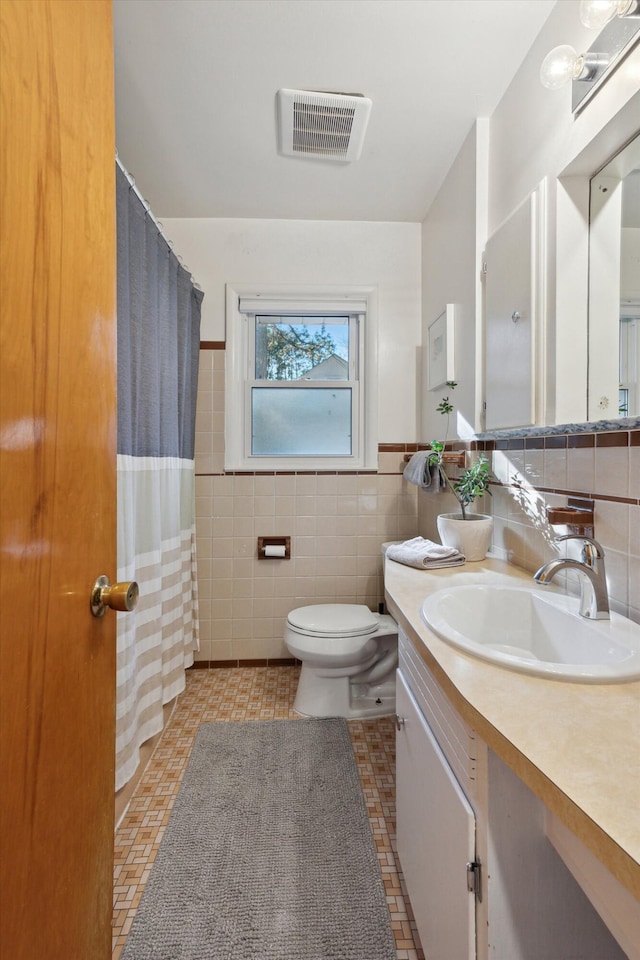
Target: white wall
(630,264)
(320,252)
(535,135)
(533,132)
(532,135)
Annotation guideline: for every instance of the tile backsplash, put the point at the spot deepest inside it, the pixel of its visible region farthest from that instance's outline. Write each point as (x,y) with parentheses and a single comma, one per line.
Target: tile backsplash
(338,521)
(533,473)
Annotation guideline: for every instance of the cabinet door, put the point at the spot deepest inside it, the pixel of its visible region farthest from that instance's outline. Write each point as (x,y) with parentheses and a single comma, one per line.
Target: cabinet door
(436,837)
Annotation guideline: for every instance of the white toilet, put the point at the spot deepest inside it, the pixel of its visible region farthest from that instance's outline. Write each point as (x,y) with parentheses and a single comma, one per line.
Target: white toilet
(349,657)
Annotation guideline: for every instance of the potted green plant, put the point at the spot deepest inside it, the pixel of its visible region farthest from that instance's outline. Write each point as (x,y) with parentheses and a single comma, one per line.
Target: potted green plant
(470,533)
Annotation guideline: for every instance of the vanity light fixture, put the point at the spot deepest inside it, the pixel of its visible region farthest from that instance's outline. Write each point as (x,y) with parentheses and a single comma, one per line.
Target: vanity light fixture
(597,13)
(564,63)
(619,21)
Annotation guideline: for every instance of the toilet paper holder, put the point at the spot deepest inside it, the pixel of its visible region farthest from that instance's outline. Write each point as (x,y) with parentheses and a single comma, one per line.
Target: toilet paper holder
(270,548)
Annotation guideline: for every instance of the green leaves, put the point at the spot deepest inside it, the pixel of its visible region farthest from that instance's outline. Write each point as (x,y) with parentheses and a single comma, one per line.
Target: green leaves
(475,479)
(289,351)
(445,406)
(473,482)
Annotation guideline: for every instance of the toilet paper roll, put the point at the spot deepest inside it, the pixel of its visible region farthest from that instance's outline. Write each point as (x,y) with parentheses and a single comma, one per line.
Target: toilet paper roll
(275,551)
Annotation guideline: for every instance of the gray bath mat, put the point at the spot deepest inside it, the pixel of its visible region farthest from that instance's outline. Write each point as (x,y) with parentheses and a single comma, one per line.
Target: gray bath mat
(268,854)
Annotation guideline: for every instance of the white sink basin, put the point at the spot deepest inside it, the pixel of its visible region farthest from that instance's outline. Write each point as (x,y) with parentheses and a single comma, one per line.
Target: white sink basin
(535,632)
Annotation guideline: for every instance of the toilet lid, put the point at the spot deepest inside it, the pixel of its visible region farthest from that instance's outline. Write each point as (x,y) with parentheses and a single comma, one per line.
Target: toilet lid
(334,620)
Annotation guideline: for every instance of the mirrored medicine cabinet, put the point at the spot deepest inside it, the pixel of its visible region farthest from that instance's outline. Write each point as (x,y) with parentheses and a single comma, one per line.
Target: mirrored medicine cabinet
(614,287)
(605,310)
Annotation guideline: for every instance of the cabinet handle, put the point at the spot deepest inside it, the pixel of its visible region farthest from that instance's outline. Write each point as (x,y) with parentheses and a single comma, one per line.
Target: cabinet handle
(400,722)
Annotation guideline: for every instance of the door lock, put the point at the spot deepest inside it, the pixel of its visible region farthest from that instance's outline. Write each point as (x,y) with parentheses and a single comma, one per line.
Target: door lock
(117,596)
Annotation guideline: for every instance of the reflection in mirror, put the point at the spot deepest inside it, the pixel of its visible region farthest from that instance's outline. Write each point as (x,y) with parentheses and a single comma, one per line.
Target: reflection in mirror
(630,296)
(614,287)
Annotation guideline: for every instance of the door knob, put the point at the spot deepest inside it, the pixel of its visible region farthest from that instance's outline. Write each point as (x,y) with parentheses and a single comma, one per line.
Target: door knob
(118,596)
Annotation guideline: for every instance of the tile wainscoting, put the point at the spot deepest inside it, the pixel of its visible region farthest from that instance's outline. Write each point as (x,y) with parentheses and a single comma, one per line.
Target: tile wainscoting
(336,521)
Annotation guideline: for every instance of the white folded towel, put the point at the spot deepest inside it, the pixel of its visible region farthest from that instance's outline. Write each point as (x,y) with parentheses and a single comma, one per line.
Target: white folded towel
(425,554)
(419,472)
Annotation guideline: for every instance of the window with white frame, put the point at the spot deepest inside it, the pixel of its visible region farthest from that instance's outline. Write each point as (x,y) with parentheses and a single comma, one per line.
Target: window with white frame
(300,379)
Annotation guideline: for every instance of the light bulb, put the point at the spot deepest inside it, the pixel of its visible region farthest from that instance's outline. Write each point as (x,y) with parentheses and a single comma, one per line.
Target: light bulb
(559,66)
(597,13)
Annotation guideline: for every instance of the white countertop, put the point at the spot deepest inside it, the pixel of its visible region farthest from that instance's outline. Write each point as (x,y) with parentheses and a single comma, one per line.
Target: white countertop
(577,746)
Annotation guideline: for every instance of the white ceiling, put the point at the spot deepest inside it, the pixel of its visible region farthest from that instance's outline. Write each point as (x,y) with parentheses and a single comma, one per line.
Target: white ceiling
(196,85)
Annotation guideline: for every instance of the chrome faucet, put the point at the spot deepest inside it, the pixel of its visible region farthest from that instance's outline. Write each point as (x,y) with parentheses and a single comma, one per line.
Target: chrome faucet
(594,602)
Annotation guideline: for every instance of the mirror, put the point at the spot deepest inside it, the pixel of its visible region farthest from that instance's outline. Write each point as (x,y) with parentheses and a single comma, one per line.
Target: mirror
(614,288)
(512,271)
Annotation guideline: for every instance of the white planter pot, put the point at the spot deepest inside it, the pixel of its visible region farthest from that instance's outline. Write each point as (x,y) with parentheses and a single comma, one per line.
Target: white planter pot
(471,536)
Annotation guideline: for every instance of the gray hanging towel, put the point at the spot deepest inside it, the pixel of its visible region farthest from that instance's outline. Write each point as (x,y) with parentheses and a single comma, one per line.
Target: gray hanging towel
(419,472)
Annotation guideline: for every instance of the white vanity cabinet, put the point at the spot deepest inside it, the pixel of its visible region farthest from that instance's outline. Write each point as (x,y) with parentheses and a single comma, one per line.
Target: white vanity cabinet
(459,804)
(434,861)
(436,824)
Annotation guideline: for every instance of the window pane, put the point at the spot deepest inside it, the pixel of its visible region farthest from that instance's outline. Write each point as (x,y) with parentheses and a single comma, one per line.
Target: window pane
(302,348)
(303,422)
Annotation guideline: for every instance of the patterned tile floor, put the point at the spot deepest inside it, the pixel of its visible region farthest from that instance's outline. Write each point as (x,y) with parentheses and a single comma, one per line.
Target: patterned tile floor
(249,693)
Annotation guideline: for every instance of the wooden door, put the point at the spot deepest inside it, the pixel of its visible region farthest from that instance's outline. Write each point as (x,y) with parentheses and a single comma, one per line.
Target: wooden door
(58,450)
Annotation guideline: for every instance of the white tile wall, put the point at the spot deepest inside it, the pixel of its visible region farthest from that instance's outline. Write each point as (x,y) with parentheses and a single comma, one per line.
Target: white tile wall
(612,471)
(337,523)
(534,479)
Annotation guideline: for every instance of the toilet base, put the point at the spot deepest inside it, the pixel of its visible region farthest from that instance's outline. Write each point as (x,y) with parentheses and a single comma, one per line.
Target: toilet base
(340,697)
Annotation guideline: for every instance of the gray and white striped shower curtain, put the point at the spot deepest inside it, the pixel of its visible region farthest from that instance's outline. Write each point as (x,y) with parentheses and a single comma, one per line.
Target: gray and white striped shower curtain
(158,350)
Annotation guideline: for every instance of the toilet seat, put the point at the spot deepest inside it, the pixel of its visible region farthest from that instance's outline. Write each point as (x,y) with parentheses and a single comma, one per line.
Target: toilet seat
(333,620)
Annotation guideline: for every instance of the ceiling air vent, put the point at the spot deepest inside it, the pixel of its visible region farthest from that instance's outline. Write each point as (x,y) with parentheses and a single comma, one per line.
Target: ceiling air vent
(329,126)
